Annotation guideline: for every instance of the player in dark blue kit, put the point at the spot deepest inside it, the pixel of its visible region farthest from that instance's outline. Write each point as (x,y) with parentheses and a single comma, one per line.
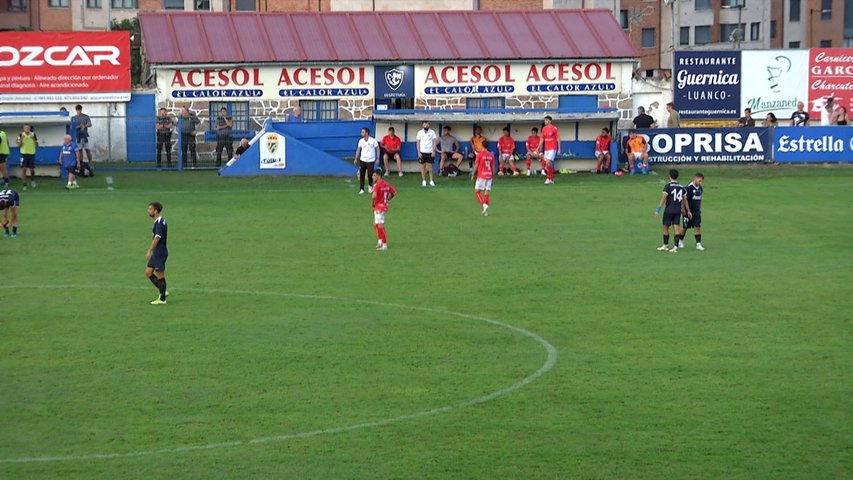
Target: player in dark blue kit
(694,200)
(9,202)
(675,198)
(157,253)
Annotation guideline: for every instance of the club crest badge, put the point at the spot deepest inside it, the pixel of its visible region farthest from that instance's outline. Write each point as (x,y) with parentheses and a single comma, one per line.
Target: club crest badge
(272,143)
(394,78)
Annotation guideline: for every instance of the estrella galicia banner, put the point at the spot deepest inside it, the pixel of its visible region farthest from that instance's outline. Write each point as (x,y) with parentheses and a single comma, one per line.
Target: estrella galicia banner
(707,84)
(707,145)
(813,144)
(394,81)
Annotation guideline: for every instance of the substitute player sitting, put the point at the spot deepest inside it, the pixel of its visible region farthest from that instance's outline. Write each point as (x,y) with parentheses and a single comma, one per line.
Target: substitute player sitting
(674,196)
(637,151)
(449,149)
(391,144)
(506,149)
(478,144)
(383,192)
(602,151)
(484,167)
(9,201)
(533,153)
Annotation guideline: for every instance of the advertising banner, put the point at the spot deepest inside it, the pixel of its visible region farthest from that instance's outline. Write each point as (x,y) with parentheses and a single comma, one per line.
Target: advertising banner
(813,144)
(701,145)
(774,81)
(266,83)
(707,84)
(394,82)
(830,75)
(64,67)
(273,152)
(499,79)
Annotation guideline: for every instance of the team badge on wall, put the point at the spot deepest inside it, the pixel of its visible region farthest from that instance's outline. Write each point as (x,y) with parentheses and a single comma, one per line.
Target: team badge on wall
(273,152)
(395,82)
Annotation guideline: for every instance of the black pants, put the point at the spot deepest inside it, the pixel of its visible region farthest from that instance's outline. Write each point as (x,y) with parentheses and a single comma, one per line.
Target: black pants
(164,142)
(188,142)
(224,142)
(365,168)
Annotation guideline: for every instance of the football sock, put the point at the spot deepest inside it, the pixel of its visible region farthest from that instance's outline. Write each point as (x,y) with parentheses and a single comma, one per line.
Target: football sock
(698,238)
(7,230)
(486,199)
(480,197)
(161,285)
(15,230)
(550,173)
(378,235)
(666,239)
(527,163)
(382,235)
(154,280)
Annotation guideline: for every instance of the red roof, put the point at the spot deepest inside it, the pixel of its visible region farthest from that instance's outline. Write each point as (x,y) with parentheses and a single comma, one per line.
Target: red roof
(250,37)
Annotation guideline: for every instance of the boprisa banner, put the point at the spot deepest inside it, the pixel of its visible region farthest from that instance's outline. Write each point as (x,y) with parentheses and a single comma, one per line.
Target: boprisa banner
(499,79)
(830,75)
(707,84)
(720,145)
(774,81)
(813,144)
(266,82)
(64,67)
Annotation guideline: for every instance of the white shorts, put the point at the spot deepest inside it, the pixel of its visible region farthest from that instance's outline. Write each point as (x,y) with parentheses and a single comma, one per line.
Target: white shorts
(550,155)
(637,155)
(483,184)
(378,217)
(83,143)
(506,157)
(599,153)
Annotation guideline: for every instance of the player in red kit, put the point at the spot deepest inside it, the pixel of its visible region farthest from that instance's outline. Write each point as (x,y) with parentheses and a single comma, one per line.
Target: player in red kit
(551,145)
(602,151)
(506,148)
(484,168)
(533,142)
(383,192)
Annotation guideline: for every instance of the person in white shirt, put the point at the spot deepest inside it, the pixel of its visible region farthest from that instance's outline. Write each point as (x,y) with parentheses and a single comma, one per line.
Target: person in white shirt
(427,143)
(365,157)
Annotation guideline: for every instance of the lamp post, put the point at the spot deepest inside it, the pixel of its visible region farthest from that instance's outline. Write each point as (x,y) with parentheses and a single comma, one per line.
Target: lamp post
(811,23)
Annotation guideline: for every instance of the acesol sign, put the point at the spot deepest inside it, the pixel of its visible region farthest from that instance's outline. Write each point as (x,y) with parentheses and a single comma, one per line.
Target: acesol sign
(64,66)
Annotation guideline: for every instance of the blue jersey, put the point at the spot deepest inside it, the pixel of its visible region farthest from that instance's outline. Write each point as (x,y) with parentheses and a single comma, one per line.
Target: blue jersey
(675,193)
(160,230)
(694,198)
(69,154)
(11,198)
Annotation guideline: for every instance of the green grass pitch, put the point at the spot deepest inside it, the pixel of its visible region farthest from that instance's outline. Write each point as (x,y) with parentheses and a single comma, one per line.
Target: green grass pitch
(549,340)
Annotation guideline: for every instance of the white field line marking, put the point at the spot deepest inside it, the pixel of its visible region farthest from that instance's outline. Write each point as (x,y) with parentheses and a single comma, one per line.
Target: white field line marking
(549,363)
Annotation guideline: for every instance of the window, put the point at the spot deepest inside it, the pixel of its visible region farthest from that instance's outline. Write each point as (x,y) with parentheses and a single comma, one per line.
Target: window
(173,4)
(202,5)
(848,42)
(684,36)
(702,35)
(485,103)
(125,3)
(623,19)
(826,44)
(245,5)
(772,28)
(794,13)
(319,109)
(648,38)
(93,3)
(17,5)
(826,10)
(755,31)
(793,44)
(729,32)
(732,3)
(57,3)
(702,5)
(239,112)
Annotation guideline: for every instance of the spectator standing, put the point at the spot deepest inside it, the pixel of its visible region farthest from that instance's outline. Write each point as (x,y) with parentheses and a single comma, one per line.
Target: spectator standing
(506,150)
(674,117)
(602,151)
(551,144)
(4,155)
(82,124)
(70,159)
(241,149)
(800,118)
(533,151)
(296,116)
(449,149)
(427,142)
(189,125)
(9,202)
(365,158)
(224,140)
(29,142)
(383,192)
(642,120)
(391,143)
(164,136)
(746,120)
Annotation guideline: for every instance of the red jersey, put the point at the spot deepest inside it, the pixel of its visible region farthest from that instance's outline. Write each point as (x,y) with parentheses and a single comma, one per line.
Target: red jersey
(391,145)
(485,165)
(506,145)
(550,134)
(602,143)
(533,143)
(382,193)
